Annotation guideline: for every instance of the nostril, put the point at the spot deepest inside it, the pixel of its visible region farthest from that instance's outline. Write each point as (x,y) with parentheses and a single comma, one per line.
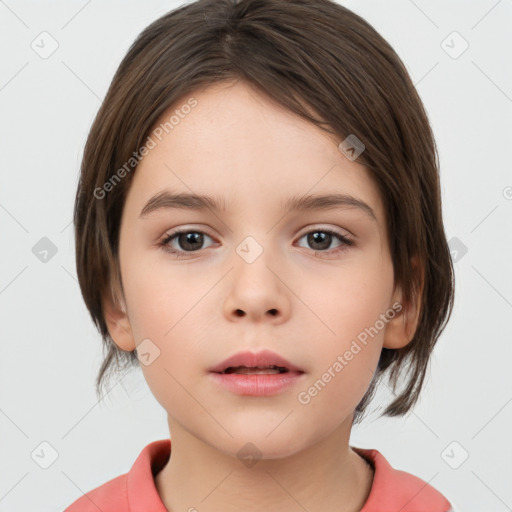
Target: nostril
(239,312)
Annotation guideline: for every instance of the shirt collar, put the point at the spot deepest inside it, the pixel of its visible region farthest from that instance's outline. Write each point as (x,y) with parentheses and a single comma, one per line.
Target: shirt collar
(392,488)
(399,490)
(140,485)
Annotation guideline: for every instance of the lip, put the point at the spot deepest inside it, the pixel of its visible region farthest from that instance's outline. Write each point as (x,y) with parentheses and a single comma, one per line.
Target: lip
(256,384)
(253,359)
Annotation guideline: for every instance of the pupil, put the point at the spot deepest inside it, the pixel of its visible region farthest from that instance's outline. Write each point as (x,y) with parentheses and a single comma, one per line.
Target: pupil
(190,239)
(319,237)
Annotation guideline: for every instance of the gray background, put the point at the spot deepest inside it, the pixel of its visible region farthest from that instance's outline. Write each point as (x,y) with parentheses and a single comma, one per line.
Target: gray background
(50,351)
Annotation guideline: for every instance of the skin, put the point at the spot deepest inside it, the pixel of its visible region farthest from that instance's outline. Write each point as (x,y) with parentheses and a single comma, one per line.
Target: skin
(238,145)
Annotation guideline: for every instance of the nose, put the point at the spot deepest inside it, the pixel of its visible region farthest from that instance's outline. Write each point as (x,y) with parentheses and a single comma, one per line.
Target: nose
(257,290)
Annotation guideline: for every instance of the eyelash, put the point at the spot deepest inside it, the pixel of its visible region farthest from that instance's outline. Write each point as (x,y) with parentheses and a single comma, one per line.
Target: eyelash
(346,242)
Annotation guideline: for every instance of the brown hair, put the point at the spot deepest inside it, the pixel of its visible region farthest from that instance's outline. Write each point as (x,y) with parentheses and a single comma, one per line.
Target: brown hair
(311,56)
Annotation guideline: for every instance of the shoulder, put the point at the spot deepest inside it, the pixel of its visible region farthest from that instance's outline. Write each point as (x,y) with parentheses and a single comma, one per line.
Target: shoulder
(134,490)
(108,497)
(393,489)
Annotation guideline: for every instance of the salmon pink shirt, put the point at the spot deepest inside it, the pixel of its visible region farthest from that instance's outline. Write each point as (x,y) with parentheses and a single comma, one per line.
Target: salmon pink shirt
(135,491)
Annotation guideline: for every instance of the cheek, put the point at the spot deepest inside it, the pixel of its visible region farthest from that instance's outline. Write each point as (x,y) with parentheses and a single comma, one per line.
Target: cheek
(351,298)
(342,373)
(349,348)
(168,310)
(160,297)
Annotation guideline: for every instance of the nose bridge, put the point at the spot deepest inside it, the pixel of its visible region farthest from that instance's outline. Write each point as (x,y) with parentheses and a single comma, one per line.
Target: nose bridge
(255,288)
(249,221)
(254,257)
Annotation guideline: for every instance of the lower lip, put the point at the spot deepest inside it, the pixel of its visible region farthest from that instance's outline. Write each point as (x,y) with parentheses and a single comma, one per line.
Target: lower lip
(257,384)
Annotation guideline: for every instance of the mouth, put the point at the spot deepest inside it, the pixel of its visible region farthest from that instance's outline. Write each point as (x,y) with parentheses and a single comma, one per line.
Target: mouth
(255,370)
(264,362)
(257,374)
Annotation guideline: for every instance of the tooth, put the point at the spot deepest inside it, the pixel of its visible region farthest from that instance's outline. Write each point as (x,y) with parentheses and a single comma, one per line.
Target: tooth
(253,370)
(256,371)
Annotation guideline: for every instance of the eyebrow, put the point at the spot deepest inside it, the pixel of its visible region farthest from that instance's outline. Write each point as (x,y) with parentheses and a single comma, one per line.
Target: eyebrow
(166,200)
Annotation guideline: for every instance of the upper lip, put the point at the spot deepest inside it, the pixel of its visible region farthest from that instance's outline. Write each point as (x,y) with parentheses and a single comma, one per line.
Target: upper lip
(264,358)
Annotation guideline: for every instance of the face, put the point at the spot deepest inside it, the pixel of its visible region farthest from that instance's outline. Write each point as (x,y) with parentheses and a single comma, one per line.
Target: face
(313,284)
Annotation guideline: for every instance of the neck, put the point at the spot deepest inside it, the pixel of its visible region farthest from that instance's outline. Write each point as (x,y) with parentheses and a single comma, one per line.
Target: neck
(327,476)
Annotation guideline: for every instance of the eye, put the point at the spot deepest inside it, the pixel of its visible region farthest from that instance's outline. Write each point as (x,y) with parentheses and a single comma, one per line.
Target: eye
(321,239)
(188,241)
(185,241)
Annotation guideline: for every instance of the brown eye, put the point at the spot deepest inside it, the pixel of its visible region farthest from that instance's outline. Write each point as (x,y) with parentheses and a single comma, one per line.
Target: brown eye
(321,239)
(184,241)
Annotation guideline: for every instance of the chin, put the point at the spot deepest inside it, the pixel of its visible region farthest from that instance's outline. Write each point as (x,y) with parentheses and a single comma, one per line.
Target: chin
(254,443)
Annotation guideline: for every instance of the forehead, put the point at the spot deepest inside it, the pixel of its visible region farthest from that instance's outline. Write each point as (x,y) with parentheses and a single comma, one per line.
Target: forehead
(239,145)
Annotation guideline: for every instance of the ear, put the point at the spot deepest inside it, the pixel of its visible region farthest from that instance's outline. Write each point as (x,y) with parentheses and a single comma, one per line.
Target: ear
(118,323)
(401,328)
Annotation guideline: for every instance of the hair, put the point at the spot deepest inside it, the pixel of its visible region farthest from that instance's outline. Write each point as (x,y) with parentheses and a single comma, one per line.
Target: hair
(319,60)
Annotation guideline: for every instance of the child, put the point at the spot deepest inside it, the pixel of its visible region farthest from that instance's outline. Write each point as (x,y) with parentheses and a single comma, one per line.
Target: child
(260,130)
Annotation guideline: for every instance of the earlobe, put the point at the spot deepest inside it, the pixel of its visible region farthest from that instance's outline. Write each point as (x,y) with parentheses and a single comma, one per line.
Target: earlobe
(118,323)
(401,328)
